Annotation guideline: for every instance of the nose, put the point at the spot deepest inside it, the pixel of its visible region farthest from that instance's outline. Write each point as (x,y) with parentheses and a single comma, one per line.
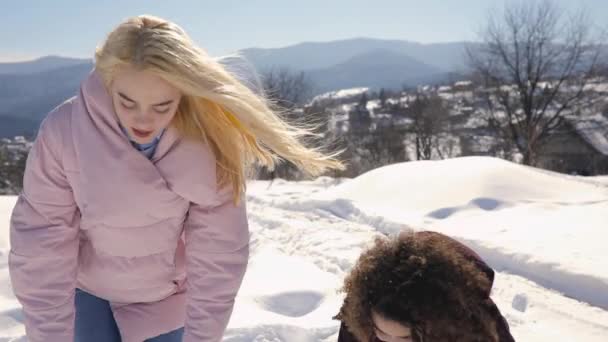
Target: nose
(142,119)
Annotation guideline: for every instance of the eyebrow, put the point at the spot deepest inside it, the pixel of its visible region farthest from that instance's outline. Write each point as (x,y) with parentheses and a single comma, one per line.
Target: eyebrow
(380,330)
(155,105)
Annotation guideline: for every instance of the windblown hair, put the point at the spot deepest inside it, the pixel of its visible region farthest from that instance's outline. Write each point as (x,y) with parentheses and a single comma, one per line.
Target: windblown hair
(425,282)
(240,126)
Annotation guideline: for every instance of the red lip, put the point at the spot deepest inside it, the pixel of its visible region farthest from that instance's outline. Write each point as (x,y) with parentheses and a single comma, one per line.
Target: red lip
(141,134)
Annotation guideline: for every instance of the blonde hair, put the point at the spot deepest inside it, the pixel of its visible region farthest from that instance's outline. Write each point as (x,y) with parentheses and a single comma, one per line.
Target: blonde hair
(239,125)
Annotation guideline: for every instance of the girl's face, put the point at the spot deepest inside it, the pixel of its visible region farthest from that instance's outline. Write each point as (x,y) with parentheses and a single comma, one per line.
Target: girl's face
(144,103)
(390,331)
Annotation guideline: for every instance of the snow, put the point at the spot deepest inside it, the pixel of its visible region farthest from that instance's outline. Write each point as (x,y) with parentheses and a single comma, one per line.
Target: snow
(372,105)
(544,85)
(482,144)
(492,208)
(444,89)
(463,83)
(543,232)
(464,95)
(341,94)
(381,116)
(407,98)
(446,96)
(346,108)
(403,121)
(597,87)
(476,121)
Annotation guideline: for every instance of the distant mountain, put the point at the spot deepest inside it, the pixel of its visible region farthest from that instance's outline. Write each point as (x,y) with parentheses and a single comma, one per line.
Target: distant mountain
(29,90)
(375,69)
(40,65)
(311,56)
(12,126)
(32,96)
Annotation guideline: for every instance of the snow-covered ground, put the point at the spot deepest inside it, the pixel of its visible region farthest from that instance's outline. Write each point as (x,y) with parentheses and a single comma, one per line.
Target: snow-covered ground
(543,232)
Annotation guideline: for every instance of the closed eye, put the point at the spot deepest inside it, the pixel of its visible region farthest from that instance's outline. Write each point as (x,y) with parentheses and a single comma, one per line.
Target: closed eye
(161,110)
(126,102)
(127,106)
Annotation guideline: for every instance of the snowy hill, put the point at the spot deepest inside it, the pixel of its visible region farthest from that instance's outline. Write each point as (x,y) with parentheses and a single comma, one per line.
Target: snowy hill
(543,232)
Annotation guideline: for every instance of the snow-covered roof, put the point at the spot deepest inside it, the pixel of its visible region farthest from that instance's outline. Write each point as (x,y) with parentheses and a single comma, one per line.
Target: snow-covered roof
(597,87)
(403,121)
(340,117)
(464,94)
(594,129)
(348,107)
(343,93)
(463,83)
(446,96)
(373,104)
(444,88)
(350,92)
(542,85)
(476,121)
(380,116)
(407,98)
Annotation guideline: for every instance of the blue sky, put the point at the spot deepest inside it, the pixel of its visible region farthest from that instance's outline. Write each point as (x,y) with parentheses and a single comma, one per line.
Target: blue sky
(30,29)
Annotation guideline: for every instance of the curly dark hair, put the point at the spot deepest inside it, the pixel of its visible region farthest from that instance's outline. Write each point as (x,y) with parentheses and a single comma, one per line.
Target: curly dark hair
(425,281)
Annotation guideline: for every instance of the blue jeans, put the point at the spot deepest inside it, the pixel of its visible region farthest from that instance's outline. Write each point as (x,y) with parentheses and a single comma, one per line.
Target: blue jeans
(95,322)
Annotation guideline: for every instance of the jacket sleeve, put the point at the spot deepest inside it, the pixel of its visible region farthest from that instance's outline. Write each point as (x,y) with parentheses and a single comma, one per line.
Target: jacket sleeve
(44,243)
(217,252)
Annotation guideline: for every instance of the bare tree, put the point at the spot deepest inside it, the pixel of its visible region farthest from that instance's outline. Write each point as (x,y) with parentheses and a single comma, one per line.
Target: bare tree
(287,88)
(430,119)
(12,167)
(367,150)
(4,163)
(534,63)
(359,117)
